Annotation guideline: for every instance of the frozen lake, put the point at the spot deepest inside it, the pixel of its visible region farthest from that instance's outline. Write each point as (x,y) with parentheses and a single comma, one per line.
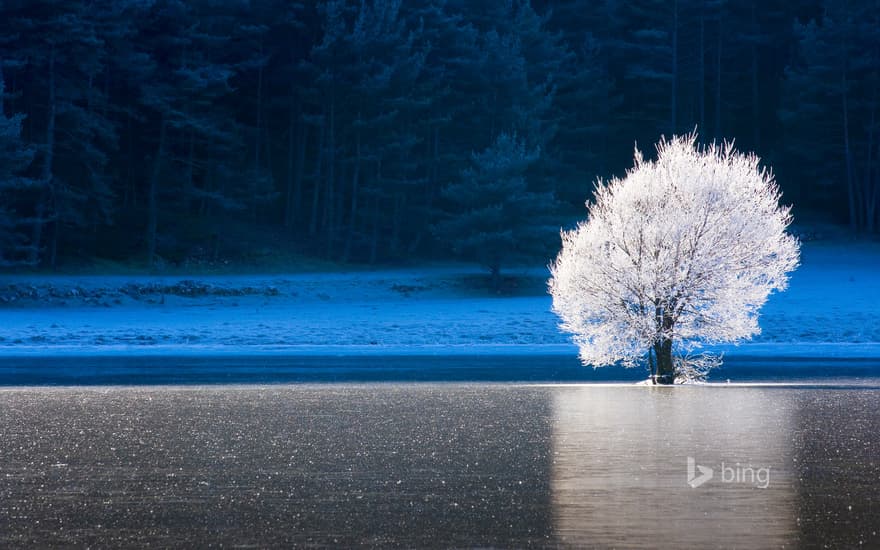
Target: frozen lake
(421,367)
(441,464)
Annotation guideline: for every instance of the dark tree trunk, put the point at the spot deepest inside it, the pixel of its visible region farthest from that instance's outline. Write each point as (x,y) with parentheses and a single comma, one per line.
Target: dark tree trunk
(395,223)
(53,247)
(2,88)
(153,202)
(702,72)
(673,107)
(300,172)
(329,222)
(130,199)
(718,60)
(870,192)
(854,200)
(189,180)
(355,189)
(255,191)
(663,352)
(756,99)
(374,241)
(430,187)
(665,367)
(46,176)
(316,194)
(295,166)
(495,271)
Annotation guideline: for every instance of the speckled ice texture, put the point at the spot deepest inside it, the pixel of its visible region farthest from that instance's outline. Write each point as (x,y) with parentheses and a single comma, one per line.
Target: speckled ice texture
(437,465)
(831,309)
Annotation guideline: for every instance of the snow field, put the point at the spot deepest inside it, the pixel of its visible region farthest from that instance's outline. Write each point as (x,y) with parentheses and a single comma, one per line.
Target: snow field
(832,307)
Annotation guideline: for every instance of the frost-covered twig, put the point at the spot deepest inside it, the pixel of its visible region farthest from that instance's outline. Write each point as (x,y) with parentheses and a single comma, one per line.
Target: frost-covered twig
(691,369)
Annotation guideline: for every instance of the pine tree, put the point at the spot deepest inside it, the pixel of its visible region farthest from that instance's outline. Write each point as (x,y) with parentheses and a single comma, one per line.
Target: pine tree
(831,107)
(367,68)
(451,123)
(644,52)
(66,54)
(198,159)
(498,222)
(586,100)
(15,158)
(384,132)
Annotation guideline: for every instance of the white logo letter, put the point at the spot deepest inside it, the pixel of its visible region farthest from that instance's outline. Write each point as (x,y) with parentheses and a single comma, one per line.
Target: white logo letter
(705,473)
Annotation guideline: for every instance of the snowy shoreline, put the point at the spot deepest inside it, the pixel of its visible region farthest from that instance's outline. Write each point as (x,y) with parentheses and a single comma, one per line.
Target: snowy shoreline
(831,310)
(744,352)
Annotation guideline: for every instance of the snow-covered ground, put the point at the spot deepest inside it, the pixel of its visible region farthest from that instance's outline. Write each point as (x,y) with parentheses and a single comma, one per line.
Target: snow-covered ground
(831,309)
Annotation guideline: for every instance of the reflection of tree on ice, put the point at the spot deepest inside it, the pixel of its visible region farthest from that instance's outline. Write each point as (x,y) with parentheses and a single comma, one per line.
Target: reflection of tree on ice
(681,252)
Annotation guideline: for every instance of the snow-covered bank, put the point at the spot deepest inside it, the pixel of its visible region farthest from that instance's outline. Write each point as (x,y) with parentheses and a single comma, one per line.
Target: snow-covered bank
(841,351)
(832,309)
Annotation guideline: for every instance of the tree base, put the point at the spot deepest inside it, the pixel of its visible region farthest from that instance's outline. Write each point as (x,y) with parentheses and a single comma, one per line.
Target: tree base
(663,379)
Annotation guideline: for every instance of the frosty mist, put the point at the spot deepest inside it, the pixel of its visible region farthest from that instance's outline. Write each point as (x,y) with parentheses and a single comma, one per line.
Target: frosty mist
(682,251)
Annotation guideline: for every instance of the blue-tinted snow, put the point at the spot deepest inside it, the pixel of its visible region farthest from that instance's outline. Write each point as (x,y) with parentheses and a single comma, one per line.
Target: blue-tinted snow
(831,310)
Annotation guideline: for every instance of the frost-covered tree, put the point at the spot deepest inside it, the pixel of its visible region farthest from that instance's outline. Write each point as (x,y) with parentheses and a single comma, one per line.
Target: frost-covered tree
(681,252)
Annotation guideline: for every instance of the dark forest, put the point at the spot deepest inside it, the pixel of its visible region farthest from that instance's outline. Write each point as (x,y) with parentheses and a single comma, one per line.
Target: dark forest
(163,133)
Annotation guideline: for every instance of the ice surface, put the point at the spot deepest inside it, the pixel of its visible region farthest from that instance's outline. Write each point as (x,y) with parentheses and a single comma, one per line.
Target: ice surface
(430,465)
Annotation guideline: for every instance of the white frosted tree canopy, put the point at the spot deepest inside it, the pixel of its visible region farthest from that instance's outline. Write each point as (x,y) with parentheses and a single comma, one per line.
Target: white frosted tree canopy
(682,251)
